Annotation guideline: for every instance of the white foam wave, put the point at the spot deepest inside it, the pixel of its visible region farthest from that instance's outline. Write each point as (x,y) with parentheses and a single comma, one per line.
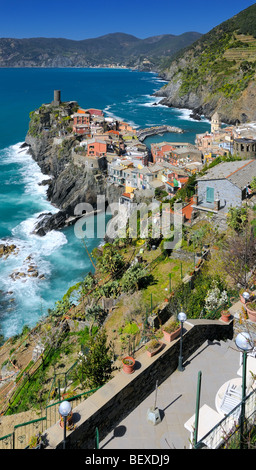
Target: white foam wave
(31,249)
(13,153)
(44,245)
(29,171)
(118,118)
(152,101)
(184,114)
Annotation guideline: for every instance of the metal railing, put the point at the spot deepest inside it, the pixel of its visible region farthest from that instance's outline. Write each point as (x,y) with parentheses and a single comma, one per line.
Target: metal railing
(52,410)
(227,433)
(22,433)
(60,381)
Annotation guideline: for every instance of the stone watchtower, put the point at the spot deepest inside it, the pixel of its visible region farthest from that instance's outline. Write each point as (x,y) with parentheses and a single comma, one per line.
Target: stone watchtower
(215,123)
(57,100)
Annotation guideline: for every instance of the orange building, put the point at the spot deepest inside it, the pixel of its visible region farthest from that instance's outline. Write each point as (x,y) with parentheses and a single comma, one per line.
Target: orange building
(187,210)
(96,148)
(81,111)
(81,118)
(81,123)
(125,127)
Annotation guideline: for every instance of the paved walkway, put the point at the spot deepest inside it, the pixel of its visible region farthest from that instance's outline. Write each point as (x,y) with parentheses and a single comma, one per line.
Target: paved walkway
(176,401)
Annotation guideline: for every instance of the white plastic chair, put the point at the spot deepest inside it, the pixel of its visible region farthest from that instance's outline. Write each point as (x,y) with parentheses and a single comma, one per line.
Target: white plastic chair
(232,397)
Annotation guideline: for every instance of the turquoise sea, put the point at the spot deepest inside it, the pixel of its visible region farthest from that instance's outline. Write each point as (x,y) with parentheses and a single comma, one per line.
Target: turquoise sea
(59,256)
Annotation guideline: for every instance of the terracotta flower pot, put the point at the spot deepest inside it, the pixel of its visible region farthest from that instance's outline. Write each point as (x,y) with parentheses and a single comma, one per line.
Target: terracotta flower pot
(251,312)
(225,317)
(242,299)
(128,364)
(69,422)
(172,335)
(152,352)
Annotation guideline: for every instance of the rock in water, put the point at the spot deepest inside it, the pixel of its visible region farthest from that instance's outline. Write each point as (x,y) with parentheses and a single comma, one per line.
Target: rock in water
(50,222)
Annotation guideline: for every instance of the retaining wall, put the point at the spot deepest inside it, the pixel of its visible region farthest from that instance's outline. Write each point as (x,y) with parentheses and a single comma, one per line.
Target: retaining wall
(122,394)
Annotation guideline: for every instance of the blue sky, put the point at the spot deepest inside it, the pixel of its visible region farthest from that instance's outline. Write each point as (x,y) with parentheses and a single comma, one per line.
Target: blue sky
(92,18)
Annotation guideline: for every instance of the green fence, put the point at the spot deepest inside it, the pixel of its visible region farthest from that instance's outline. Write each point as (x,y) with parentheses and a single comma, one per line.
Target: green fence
(24,432)
(7,442)
(52,410)
(60,381)
(21,436)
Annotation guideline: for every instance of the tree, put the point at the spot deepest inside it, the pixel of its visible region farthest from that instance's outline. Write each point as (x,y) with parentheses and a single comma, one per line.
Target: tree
(239,255)
(253,184)
(96,368)
(95,314)
(237,217)
(110,261)
(110,289)
(134,278)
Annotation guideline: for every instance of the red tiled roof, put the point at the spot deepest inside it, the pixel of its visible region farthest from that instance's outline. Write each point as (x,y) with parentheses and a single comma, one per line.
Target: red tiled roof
(186,210)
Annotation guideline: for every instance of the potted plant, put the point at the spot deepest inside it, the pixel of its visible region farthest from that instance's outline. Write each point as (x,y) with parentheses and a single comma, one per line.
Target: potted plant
(171,330)
(225,316)
(153,347)
(36,441)
(128,364)
(69,422)
(251,310)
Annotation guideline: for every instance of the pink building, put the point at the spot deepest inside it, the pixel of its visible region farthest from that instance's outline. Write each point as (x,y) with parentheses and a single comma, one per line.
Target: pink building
(94,112)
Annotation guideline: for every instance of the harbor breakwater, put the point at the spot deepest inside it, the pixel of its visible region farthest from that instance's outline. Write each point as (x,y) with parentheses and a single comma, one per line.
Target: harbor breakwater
(142,134)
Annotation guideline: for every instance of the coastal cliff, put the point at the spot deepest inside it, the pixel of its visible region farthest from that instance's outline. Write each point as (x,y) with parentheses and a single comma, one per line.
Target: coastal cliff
(217,73)
(51,144)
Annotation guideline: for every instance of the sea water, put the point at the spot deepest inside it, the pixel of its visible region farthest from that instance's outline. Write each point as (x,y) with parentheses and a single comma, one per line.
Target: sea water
(59,257)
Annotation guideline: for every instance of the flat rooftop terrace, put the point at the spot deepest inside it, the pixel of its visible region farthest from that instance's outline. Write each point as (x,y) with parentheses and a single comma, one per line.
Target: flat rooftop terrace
(218,362)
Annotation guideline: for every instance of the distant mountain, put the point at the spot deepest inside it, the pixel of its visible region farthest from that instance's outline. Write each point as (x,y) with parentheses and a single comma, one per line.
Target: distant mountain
(217,72)
(116,48)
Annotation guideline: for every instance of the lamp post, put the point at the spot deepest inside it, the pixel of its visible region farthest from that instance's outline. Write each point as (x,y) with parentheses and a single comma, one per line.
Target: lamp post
(182,318)
(245,343)
(64,410)
(246,296)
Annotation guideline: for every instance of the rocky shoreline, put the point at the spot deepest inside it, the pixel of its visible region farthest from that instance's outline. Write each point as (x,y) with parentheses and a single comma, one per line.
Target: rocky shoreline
(29,268)
(202,103)
(7,250)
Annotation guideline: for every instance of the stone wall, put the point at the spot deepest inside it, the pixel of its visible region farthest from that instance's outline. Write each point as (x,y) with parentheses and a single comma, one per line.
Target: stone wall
(229,194)
(88,162)
(122,394)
